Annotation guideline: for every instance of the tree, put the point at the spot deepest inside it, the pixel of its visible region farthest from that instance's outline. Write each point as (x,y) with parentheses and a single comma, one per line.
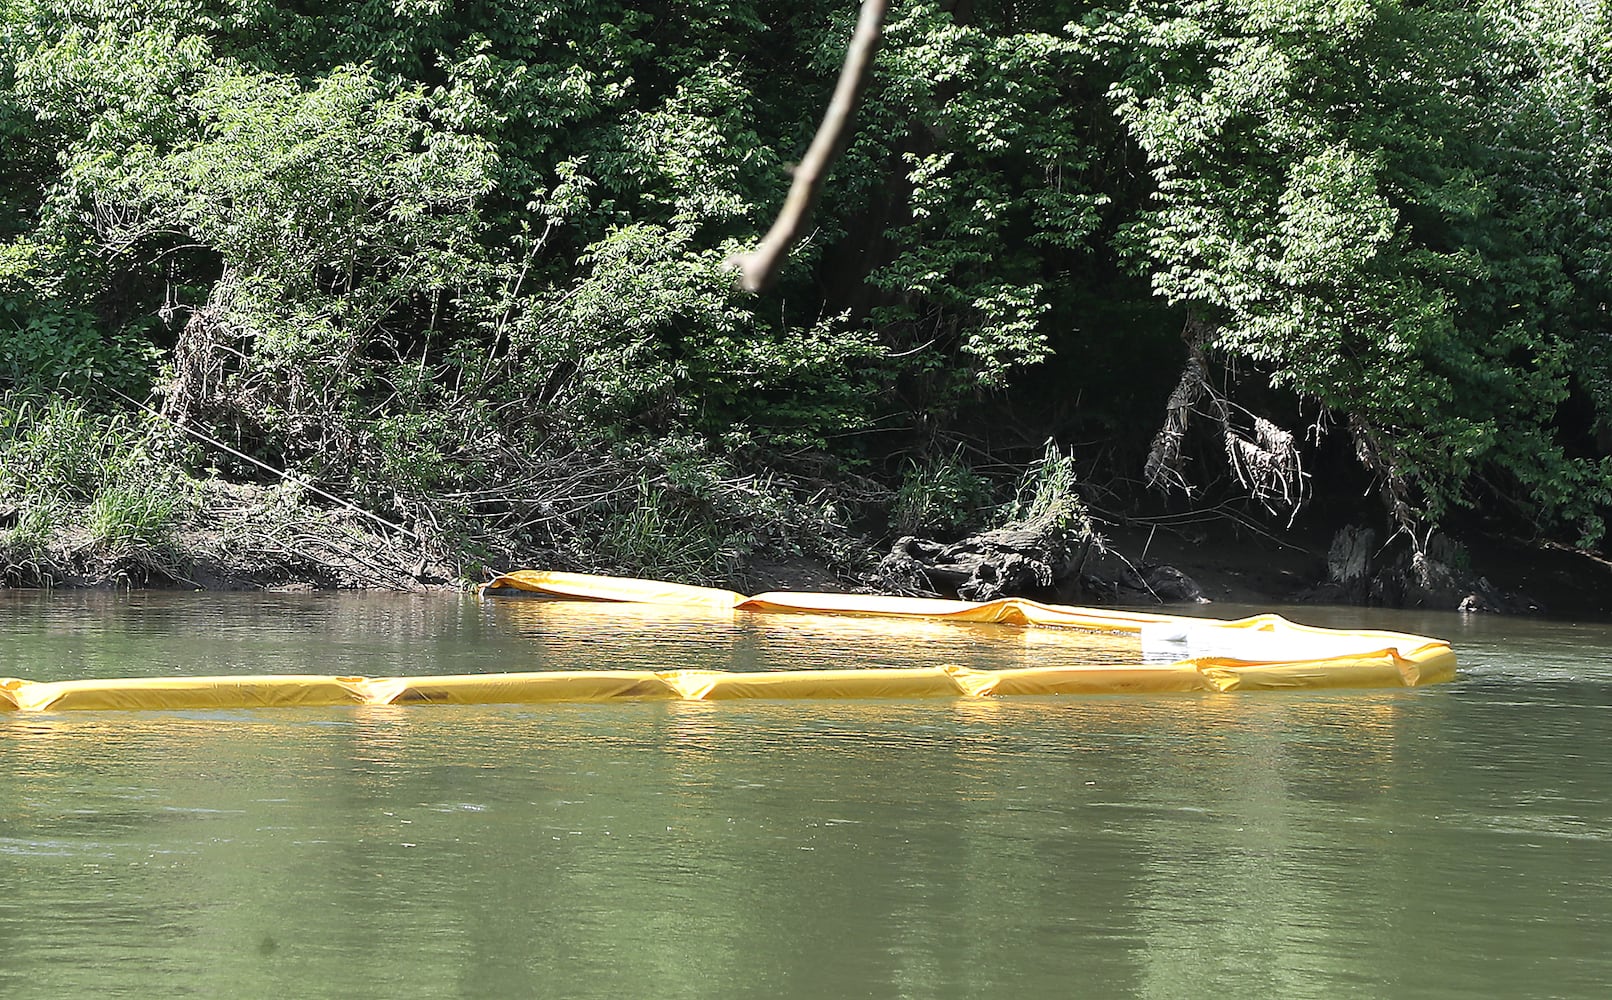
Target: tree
(1344,199)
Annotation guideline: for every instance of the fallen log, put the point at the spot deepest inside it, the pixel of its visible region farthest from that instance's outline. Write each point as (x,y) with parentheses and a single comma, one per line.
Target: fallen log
(1028,560)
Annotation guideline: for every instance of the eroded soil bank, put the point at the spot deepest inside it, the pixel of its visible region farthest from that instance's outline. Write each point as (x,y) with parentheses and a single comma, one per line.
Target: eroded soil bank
(1236,564)
(247,543)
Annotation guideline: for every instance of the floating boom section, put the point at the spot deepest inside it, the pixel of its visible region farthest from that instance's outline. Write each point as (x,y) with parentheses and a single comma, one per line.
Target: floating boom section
(1174,654)
(1177,653)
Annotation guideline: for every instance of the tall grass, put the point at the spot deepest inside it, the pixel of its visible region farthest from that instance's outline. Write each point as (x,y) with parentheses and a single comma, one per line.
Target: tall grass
(940,496)
(655,534)
(71,476)
(1048,496)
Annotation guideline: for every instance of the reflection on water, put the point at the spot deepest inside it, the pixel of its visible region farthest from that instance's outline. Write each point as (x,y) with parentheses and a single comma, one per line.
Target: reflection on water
(72,635)
(580,636)
(1453,841)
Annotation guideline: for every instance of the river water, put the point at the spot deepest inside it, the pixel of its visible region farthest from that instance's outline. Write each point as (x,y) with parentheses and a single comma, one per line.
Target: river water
(1452,841)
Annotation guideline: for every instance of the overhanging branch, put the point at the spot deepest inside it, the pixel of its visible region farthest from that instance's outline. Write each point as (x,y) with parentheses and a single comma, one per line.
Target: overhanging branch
(759,268)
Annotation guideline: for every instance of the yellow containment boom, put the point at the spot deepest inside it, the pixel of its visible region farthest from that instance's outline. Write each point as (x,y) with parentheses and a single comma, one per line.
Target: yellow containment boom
(1265,652)
(1172,654)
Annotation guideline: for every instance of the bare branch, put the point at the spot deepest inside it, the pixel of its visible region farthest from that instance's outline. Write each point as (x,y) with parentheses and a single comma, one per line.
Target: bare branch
(759,268)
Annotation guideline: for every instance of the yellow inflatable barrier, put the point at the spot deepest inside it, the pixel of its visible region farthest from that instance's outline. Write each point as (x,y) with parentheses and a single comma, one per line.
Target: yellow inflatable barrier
(1173,654)
(1265,652)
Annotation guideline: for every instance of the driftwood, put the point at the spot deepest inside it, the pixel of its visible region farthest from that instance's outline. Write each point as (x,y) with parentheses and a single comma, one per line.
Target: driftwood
(1349,557)
(1400,575)
(1028,561)
(1108,577)
(1006,562)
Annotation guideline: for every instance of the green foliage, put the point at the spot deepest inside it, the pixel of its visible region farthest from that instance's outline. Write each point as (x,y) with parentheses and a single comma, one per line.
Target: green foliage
(940,497)
(441,258)
(995,181)
(1048,496)
(1366,201)
(655,335)
(54,448)
(30,536)
(135,514)
(61,464)
(653,533)
(43,349)
(680,509)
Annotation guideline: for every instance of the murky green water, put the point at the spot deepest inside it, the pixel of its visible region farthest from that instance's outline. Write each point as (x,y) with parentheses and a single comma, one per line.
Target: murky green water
(1451,841)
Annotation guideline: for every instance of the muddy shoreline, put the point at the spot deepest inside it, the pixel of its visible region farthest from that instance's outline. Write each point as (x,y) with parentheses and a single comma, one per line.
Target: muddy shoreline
(1240,565)
(1222,560)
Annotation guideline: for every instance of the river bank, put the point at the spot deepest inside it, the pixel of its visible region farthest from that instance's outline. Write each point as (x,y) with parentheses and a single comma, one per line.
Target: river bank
(1235,563)
(246,538)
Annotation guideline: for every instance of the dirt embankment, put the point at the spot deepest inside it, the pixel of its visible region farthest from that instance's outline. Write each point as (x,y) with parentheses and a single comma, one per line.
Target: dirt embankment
(1179,561)
(246,540)
(1238,564)
(238,538)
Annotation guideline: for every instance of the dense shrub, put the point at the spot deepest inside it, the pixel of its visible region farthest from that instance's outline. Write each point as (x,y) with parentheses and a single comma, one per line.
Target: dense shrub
(436,256)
